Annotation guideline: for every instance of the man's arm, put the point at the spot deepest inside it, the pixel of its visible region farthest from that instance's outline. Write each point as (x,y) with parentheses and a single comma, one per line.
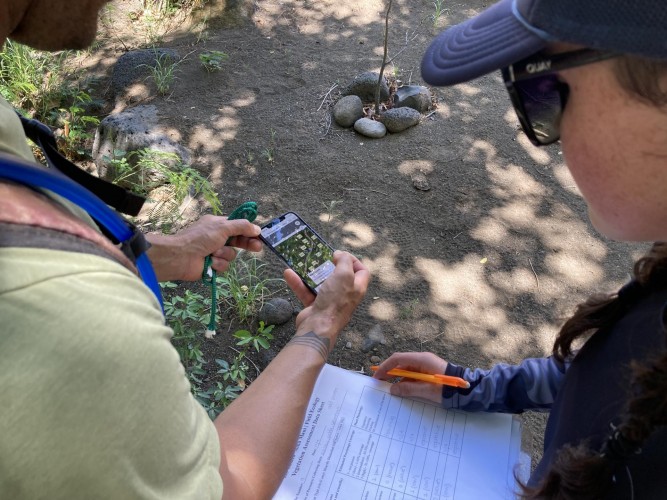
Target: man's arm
(258,431)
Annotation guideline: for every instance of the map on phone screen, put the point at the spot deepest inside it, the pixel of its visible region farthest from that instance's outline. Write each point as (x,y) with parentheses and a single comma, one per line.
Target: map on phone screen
(304,251)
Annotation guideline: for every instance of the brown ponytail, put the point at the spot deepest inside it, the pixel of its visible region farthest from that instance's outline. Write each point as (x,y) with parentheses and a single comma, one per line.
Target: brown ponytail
(579,472)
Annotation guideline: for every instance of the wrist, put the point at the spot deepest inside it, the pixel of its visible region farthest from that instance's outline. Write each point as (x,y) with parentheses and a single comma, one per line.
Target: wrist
(164,255)
(322,324)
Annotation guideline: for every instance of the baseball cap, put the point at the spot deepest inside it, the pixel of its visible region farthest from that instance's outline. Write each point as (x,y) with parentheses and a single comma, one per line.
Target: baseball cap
(510,30)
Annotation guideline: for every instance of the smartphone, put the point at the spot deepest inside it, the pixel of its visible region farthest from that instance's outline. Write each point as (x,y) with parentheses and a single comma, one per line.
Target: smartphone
(300,247)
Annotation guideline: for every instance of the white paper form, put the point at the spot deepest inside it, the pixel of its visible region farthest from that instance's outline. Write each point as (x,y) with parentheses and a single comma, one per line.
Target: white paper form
(359,442)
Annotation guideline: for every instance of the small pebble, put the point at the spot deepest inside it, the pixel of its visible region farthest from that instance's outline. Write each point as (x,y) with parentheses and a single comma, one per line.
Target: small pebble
(348,345)
(375,360)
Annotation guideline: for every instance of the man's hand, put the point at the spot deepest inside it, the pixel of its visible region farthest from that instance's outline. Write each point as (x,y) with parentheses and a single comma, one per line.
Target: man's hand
(256,444)
(423,362)
(327,313)
(181,256)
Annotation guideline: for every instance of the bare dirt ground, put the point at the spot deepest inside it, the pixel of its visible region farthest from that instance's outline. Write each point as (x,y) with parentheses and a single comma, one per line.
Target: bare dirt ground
(480,269)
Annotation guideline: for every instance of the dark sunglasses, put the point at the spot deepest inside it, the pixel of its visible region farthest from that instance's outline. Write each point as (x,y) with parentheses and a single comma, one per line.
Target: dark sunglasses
(538,96)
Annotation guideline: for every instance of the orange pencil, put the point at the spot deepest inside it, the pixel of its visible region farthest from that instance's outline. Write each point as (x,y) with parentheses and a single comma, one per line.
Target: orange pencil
(426,377)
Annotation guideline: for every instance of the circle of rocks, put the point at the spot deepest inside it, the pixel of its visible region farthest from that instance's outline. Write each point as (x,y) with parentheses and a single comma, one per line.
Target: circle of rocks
(409,102)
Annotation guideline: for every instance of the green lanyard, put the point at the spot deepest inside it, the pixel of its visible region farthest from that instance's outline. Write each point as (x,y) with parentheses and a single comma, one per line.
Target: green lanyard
(209,277)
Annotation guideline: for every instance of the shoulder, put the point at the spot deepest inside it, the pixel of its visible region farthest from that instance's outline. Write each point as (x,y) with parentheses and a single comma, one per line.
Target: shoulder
(99,397)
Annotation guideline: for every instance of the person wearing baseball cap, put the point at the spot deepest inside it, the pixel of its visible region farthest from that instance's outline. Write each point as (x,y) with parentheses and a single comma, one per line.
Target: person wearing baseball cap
(593,75)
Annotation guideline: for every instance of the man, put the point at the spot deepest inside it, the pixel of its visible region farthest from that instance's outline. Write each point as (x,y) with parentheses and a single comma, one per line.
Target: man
(95,400)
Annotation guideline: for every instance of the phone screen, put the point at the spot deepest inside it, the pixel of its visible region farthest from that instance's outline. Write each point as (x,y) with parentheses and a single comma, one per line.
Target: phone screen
(301,248)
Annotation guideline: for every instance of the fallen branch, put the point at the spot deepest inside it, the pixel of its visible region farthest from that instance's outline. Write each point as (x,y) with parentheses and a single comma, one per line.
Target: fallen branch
(327,95)
(536,278)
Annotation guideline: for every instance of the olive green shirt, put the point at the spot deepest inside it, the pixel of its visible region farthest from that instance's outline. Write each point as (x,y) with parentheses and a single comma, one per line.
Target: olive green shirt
(94,402)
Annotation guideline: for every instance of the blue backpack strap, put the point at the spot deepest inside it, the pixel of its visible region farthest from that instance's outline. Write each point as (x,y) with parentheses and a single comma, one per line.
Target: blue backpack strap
(132,241)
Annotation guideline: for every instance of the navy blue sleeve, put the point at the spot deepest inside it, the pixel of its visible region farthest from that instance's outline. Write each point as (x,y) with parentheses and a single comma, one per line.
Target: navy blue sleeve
(531,385)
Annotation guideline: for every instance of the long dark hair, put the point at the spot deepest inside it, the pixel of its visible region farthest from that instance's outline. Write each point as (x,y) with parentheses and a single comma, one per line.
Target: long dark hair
(578,471)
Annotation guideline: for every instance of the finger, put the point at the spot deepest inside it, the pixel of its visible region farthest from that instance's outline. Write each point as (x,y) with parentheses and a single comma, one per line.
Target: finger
(343,261)
(238,227)
(298,287)
(344,266)
(362,277)
(424,362)
(221,259)
(220,264)
(251,244)
(391,362)
(422,390)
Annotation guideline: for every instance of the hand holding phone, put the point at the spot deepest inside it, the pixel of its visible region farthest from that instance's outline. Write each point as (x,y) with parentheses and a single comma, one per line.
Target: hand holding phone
(300,247)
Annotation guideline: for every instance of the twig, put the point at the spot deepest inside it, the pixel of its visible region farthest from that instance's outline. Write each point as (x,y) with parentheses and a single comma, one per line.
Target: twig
(432,112)
(327,95)
(247,359)
(384,58)
(431,340)
(360,189)
(328,126)
(536,278)
(415,33)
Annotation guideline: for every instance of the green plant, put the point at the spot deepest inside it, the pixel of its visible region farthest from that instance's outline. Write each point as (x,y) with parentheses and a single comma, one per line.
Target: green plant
(212,60)
(438,4)
(330,208)
(249,156)
(409,310)
(31,80)
(187,315)
(268,151)
(144,170)
(243,288)
(201,31)
(217,398)
(395,72)
(76,126)
(235,372)
(259,341)
(163,72)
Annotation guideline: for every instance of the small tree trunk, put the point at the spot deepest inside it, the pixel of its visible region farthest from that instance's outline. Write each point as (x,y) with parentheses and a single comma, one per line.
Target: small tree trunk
(384,59)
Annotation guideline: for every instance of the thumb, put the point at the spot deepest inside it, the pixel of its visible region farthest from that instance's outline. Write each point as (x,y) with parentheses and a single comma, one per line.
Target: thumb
(240,227)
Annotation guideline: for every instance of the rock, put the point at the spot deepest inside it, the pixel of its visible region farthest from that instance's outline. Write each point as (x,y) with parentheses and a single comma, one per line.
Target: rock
(398,119)
(132,130)
(348,345)
(419,181)
(364,86)
(413,96)
(223,13)
(375,360)
(275,312)
(348,110)
(134,67)
(370,128)
(373,339)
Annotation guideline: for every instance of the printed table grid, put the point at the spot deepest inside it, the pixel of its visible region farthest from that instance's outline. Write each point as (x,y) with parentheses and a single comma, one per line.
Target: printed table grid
(397,463)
